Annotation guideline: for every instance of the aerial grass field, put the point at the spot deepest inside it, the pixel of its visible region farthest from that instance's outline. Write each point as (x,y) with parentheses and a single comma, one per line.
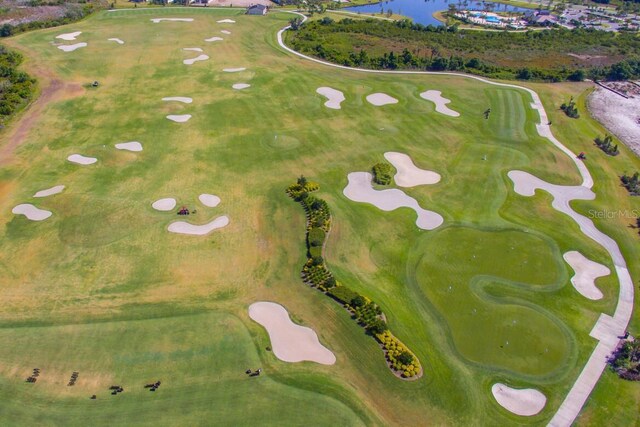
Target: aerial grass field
(101,287)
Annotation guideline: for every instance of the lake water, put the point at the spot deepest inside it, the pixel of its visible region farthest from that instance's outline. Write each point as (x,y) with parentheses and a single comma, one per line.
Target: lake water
(421,11)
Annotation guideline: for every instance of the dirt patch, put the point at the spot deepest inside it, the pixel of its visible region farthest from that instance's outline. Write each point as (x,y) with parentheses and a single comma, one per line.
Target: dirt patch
(619,115)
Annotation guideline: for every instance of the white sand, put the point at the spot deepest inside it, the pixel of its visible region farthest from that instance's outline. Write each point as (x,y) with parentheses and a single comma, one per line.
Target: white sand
(409,175)
(182,227)
(214,39)
(156,20)
(380,99)
(233,70)
(49,191)
(193,49)
(81,160)
(164,205)
(209,200)
(289,342)
(240,86)
(225,32)
(69,36)
(179,118)
(129,146)
(191,61)
(334,96)
(587,272)
(525,402)
(183,99)
(71,47)
(31,212)
(116,40)
(226,21)
(435,96)
(621,116)
(359,189)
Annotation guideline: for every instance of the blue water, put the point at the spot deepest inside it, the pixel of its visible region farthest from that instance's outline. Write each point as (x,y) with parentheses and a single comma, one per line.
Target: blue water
(421,11)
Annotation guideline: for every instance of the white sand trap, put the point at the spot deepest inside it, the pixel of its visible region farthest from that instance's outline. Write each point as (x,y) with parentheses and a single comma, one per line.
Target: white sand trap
(290,342)
(380,99)
(240,86)
(209,200)
(193,49)
(71,47)
(82,160)
(233,70)
(179,118)
(117,40)
(359,189)
(191,61)
(226,21)
(435,96)
(69,36)
(164,205)
(129,146)
(525,402)
(50,191)
(225,32)
(183,99)
(31,212)
(587,272)
(214,39)
(334,96)
(182,227)
(156,20)
(409,175)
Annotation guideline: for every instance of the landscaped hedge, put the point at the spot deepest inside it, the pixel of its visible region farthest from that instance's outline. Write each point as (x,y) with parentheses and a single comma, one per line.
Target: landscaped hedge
(316,274)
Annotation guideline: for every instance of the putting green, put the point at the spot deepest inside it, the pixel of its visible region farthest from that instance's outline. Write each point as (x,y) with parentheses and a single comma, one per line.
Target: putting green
(103,288)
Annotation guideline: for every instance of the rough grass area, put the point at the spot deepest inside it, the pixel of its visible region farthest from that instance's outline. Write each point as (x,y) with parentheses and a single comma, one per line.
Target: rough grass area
(102,288)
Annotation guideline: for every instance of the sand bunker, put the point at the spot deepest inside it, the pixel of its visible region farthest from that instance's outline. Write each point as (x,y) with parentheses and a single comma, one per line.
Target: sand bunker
(69,36)
(182,227)
(587,272)
(209,200)
(435,96)
(290,342)
(359,189)
(129,146)
(334,96)
(164,204)
(31,212)
(179,118)
(156,20)
(409,175)
(214,39)
(183,99)
(525,402)
(191,61)
(226,21)
(193,49)
(380,99)
(71,47)
(81,160)
(49,191)
(225,32)
(233,70)
(116,40)
(240,86)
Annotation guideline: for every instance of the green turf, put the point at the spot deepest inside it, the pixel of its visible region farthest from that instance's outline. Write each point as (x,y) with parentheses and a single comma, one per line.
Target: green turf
(101,287)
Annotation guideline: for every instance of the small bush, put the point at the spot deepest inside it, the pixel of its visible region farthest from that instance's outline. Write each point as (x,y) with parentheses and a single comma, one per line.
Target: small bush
(606,145)
(382,173)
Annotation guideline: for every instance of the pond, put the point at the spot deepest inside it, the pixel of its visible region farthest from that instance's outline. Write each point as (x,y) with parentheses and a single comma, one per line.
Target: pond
(421,11)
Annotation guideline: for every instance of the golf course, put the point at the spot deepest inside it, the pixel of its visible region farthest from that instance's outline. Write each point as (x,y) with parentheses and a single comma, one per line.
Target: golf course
(143,211)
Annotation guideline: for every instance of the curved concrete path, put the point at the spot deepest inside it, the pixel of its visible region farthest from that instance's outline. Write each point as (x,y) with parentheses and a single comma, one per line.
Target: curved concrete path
(608,328)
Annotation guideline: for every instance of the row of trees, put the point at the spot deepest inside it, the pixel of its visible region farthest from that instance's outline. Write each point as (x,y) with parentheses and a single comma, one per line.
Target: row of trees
(315,273)
(16,87)
(606,144)
(364,43)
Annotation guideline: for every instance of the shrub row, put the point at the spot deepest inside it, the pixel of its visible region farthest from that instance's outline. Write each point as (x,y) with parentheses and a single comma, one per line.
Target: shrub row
(316,274)
(631,183)
(606,145)
(16,87)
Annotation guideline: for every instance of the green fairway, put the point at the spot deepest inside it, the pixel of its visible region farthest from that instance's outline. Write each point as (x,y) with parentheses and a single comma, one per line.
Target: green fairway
(101,287)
